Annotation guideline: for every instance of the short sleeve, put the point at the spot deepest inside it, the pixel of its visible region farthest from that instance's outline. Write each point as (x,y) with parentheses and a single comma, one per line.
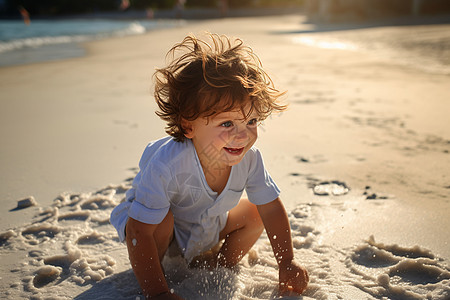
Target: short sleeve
(151,203)
(260,188)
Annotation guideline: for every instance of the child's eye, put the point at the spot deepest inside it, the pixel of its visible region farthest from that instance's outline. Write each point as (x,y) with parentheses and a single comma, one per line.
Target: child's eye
(253,122)
(227,124)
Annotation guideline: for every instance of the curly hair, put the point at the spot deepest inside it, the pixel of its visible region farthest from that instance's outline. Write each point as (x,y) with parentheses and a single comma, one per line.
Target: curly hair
(207,79)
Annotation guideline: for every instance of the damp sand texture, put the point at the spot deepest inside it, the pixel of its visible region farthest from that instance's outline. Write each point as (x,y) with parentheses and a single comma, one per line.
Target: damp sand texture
(72,251)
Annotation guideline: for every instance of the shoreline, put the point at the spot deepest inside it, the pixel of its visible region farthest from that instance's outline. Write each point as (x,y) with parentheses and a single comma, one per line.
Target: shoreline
(43,54)
(74,49)
(49,44)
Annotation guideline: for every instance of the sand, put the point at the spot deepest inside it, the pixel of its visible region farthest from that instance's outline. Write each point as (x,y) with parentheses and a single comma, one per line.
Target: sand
(361,157)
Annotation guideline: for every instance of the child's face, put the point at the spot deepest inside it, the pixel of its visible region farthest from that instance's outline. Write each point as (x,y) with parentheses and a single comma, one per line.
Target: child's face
(223,140)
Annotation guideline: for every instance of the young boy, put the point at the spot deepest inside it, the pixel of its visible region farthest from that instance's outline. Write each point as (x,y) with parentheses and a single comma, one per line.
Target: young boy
(212,96)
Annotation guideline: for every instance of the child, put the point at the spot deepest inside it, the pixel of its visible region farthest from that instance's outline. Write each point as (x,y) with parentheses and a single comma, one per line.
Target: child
(190,184)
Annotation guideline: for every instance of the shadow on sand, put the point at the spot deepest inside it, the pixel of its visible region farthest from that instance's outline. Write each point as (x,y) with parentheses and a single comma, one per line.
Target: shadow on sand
(117,286)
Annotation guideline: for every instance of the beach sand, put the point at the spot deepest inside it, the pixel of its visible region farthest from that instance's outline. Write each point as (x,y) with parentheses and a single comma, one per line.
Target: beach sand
(361,157)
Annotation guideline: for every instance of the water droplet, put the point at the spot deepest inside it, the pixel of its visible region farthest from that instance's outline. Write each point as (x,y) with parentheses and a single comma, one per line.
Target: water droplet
(274,237)
(134,241)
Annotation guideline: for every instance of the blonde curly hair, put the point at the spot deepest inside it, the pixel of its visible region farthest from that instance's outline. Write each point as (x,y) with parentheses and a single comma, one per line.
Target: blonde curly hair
(210,78)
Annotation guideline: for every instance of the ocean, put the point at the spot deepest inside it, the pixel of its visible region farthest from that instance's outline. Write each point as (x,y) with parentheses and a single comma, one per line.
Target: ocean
(45,40)
(424,47)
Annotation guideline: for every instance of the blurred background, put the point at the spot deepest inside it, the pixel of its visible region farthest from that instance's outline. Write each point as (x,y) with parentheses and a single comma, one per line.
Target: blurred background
(67,7)
(33,31)
(324,10)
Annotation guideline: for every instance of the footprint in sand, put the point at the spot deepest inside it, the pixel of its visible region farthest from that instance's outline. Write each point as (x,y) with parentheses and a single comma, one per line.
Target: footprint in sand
(98,202)
(397,272)
(63,246)
(314,159)
(46,275)
(372,257)
(370,195)
(415,272)
(327,188)
(304,234)
(75,216)
(40,233)
(92,239)
(5,236)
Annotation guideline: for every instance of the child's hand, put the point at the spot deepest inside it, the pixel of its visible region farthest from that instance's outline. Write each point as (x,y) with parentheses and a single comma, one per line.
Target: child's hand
(293,278)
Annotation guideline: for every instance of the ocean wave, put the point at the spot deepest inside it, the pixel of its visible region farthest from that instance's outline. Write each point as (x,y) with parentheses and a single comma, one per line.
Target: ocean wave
(11,44)
(40,41)
(133,28)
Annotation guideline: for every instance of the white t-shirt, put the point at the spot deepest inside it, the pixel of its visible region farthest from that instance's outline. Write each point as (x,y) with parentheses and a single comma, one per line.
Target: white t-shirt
(171,177)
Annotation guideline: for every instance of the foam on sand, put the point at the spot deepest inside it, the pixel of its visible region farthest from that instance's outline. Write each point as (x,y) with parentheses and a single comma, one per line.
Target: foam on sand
(71,251)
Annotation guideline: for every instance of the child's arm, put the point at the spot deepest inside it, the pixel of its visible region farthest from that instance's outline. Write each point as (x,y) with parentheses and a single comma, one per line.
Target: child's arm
(292,276)
(144,259)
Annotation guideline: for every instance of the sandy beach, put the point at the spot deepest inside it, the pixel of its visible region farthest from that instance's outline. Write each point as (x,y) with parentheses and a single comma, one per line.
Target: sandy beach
(361,156)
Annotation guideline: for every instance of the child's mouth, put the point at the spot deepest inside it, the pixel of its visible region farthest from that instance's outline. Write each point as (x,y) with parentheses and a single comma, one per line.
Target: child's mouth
(234,151)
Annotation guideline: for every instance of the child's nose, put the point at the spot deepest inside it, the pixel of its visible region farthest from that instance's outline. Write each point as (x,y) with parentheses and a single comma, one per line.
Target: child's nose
(241,133)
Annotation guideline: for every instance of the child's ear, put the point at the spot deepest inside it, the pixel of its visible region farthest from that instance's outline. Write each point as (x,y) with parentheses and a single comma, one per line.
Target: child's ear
(187,128)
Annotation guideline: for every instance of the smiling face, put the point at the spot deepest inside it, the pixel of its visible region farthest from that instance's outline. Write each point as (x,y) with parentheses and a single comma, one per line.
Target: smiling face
(222,140)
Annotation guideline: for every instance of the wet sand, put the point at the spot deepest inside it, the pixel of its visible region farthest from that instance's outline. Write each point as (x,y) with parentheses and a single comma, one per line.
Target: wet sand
(361,157)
